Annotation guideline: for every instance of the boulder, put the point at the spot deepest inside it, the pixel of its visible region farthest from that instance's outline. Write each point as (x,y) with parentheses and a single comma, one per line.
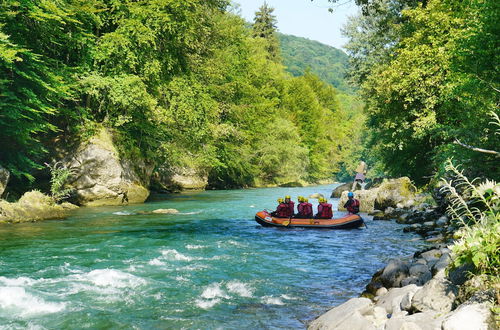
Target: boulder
(391,301)
(178,179)
(349,315)
(316,196)
(429,320)
(388,194)
(394,191)
(366,200)
(4,179)
(436,295)
(337,192)
(101,177)
(469,316)
(394,273)
(33,206)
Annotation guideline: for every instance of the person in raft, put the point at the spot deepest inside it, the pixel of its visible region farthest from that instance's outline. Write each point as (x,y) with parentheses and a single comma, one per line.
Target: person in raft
(291,205)
(352,204)
(324,209)
(304,209)
(282,211)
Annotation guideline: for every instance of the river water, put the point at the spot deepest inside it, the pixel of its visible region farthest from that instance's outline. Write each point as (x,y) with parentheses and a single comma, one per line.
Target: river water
(209,267)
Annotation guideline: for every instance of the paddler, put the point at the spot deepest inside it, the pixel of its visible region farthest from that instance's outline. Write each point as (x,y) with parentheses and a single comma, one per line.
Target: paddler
(324,209)
(291,205)
(304,209)
(352,204)
(282,211)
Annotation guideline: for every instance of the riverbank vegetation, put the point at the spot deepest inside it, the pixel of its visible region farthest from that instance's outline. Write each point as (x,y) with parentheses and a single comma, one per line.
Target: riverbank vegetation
(178,83)
(428,73)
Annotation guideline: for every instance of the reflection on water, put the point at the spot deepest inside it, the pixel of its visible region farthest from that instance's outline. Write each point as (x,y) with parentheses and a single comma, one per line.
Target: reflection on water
(210,266)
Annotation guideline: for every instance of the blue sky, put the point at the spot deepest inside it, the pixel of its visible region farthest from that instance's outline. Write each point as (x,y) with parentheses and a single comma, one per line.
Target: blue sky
(304,18)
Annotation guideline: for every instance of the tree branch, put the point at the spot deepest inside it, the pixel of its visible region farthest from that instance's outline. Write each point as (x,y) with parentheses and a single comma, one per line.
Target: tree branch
(485,151)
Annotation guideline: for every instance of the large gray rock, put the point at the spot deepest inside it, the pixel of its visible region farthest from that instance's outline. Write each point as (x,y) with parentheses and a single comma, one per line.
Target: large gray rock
(394,273)
(429,320)
(337,192)
(436,295)
(391,301)
(349,315)
(101,177)
(180,179)
(4,179)
(469,316)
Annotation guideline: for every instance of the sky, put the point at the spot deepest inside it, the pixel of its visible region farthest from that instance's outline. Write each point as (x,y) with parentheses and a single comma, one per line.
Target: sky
(306,18)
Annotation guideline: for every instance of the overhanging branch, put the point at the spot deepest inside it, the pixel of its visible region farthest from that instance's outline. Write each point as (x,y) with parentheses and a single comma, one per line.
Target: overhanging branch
(484,151)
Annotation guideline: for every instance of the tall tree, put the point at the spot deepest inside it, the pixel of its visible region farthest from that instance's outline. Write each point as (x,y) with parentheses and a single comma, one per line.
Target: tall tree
(265,27)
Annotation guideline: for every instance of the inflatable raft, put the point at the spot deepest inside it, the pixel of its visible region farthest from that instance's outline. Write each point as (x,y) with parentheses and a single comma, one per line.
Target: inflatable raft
(350,221)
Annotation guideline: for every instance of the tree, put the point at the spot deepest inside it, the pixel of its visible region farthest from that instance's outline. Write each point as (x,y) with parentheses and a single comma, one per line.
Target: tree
(265,27)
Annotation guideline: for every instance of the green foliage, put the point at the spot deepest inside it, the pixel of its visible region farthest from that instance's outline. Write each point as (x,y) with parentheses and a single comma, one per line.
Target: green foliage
(264,27)
(59,176)
(477,208)
(427,80)
(328,63)
(181,84)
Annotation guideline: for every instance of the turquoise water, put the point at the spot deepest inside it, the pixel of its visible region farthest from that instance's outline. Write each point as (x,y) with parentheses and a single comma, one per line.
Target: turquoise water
(211,266)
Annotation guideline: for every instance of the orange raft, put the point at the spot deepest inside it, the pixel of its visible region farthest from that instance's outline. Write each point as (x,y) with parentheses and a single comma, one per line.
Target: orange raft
(347,222)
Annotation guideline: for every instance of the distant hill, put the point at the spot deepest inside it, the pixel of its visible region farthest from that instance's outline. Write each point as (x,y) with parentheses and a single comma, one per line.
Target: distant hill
(329,63)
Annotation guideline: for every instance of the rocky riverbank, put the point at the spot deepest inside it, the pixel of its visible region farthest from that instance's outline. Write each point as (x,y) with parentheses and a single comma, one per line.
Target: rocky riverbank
(423,292)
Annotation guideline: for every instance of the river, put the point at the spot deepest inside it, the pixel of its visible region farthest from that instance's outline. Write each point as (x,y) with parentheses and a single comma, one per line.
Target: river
(209,267)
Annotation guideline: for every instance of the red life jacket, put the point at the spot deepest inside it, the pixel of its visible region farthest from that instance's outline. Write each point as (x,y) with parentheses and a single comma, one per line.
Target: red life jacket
(300,208)
(291,205)
(353,206)
(283,211)
(308,210)
(325,211)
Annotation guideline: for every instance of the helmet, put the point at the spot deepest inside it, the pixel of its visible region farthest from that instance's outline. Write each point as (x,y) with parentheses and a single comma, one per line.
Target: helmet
(287,197)
(306,200)
(280,200)
(321,200)
(350,194)
(299,198)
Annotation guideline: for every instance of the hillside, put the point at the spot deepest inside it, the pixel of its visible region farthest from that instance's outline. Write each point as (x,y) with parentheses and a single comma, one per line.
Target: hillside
(329,63)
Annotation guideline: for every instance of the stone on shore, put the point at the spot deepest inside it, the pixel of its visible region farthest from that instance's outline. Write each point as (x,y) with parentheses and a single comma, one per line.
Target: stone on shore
(179,179)
(469,316)
(436,295)
(392,301)
(349,315)
(33,206)
(4,179)
(394,273)
(102,177)
(429,320)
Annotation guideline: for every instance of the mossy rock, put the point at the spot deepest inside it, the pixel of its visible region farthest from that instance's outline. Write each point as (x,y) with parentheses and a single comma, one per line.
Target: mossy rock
(33,206)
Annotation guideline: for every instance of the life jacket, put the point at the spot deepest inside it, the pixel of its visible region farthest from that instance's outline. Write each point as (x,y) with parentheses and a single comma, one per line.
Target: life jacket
(291,205)
(283,211)
(305,210)
(353,206)
(325,211)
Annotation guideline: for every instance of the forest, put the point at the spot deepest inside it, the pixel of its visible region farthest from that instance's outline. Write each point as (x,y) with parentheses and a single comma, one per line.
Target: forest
(179,83)
(429,76)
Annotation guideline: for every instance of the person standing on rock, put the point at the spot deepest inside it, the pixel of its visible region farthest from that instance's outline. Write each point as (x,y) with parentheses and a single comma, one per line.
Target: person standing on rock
(352,204)
(360,175)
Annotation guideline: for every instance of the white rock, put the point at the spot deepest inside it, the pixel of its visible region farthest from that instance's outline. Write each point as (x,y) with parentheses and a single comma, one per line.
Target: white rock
(349,315)
(473,316)
(429,320)
(438,295)
(392,300)
(4,179)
